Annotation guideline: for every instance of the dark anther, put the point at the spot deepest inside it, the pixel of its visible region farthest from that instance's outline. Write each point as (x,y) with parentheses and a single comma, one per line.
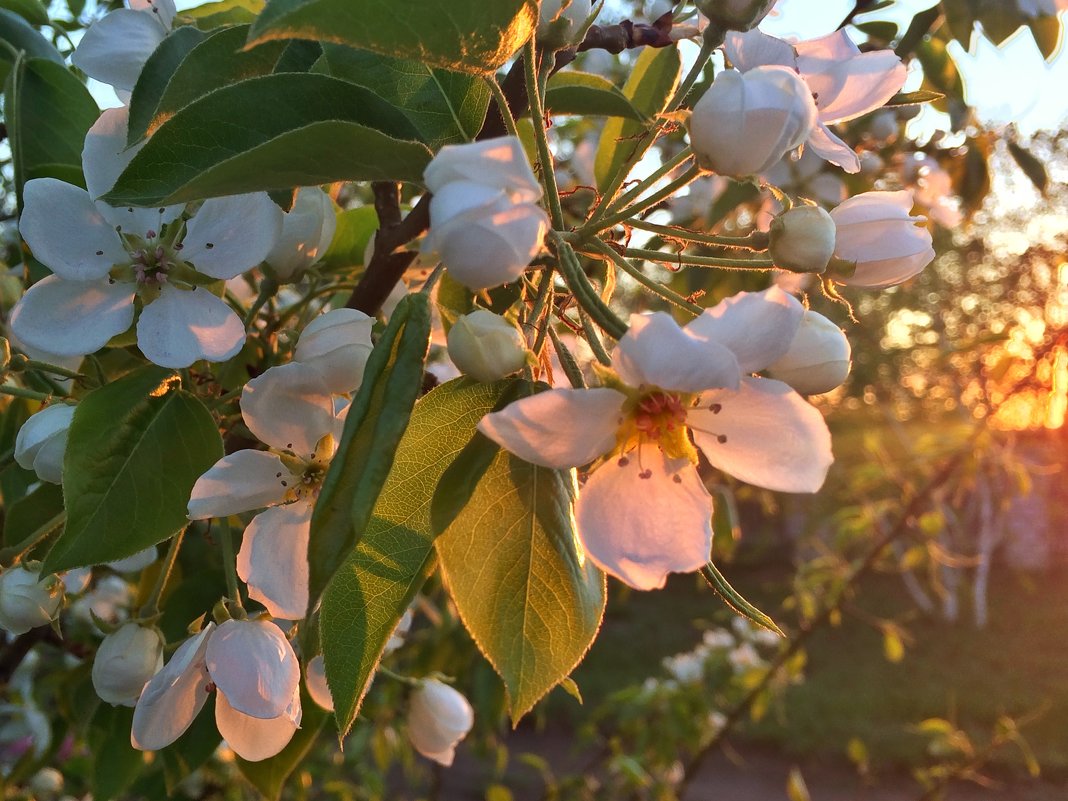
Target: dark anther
(716,408)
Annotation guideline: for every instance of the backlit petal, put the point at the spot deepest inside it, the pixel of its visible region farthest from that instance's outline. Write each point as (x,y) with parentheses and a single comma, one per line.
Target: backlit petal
(656,351)
(229,235)
(754,48)
(252,738)
(183,326)
(273,559)
(115,48)
(173,697)
(72,318)
(289,407)
(240,482)
(825,144)
(253,665)
(757,327)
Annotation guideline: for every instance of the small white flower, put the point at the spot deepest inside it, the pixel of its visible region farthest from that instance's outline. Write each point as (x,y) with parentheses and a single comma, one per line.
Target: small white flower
(115,48)
(746,122)
(744,657)
(818,359)
(439,717)
(485,346)
(257,674)
(336,346)
(28,601)
(42,441)
(109,600)
(644,511)
(307,231)
(315,681)
(718,639)
(125,661)
(687,668)
(876,231)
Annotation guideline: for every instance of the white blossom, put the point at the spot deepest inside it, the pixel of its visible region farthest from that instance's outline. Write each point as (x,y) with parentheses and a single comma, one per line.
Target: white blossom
(125,661)
(876,232)
(115,48)
(818,359)
(486,346)
(42,441)
(802,239)
(307,231)
(439,717)
(28,601)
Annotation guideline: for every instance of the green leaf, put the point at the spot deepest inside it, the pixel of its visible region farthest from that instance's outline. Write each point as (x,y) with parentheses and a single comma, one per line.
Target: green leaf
(116,764)
(269,775)
(374,425)
(649,87)
(136,447)
(225,12)
(525,591)
(445,107)
(463,35)
(48,113)
(33,11)
(588,94)
(27,515)
(22,37)
(735,601)
(395,554)
(726,528)
(914,98)
(1031,165)
(318,130)
(155,75)
(191,750)
(355,227)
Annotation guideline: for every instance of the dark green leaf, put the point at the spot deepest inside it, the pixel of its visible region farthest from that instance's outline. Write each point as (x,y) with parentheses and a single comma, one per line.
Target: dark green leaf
(33,11)
(116,764)
(881,30)
(269,775)
(735,601)
(588,94)
(355,227)
(21,37)
(272,132)
(1048,32)
(374,426)
(445,107)
(395,554)
(1031,165)
(525,591)
(135,449)
(463,35)
(27,515)
(649,87)
(191,750)
(914,98)
(156,74)
(225,12)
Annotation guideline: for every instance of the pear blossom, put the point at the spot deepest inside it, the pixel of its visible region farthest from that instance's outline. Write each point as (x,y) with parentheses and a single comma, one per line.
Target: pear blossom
(307,231)
(42,441)
(485,224)
(257,675)
(109,263)
(115,48)
(818,359)
(485,346)
(315,681)
(805,176)
(336,346)
(845,82)
(290,409)
(439,717)
(746,122)
(125,661)
(644,511)
(932,189)
(28,601)
(109,600)
(876,232)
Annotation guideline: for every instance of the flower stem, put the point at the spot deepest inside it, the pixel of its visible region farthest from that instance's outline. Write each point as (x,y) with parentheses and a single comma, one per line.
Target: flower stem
(633,211)
(502,105)
(226,542)
(644,185)
(385,671)
(20,392)
(151,606)
(653,286)
(687,260)
(585,294)
(537,117)
(708,46)
(758,240)
(567,360)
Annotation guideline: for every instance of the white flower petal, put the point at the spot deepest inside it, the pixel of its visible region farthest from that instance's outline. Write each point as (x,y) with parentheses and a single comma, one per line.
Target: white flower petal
(183,326)
(644,516)
(846,82)
(754,48)
(774,438)
(163,9)
(136,562)
(757,327)
(253,665)
(439,717)
(306,232)
(559,427)
(655,351)
(336,345)
(173,697)
(252,738)
(42,441)
(825,144)
(289,407)
(229,235)
(273,559)
(72,318)
(115,48)
(500,163)
(68,232)
(315,681)
(240,482)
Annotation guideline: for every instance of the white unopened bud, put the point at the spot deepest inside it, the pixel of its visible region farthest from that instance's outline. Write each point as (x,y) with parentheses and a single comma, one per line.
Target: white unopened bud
(439,717)
(818,358)
(26,601)
(42,441)
(315,681)
(485,346)
(875,231)
(46,784)
(336,346)
(735,15)
(802,239)
(746,122)
(562,21)
(125,661)
(307,231)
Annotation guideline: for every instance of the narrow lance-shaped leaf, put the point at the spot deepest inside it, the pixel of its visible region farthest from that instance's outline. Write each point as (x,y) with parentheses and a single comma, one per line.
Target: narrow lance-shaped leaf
(571,92)
(735,601)
(374,426)
(395,553)
(463,35)
(136,447)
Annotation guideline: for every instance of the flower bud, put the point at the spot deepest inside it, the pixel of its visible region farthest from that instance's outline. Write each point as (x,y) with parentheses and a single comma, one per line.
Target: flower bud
(125,661)
(818,358)
(735,15)
(315,681)
(499,163)
(46,784)
(307,230)
(336,346)
(746,122)
(5,353)
(875,231)
(802,239)
(42,440)
(26,601)
(485,346)
(562,21)
(439,717)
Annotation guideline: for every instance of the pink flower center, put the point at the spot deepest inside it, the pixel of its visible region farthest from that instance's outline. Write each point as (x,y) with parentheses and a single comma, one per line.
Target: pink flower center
(660,415)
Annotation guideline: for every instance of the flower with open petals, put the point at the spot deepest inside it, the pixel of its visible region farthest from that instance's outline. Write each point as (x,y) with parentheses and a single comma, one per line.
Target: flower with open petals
(291,410)
(845,82)
(115,48)
(112,264)
(644,512)
(257,674)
